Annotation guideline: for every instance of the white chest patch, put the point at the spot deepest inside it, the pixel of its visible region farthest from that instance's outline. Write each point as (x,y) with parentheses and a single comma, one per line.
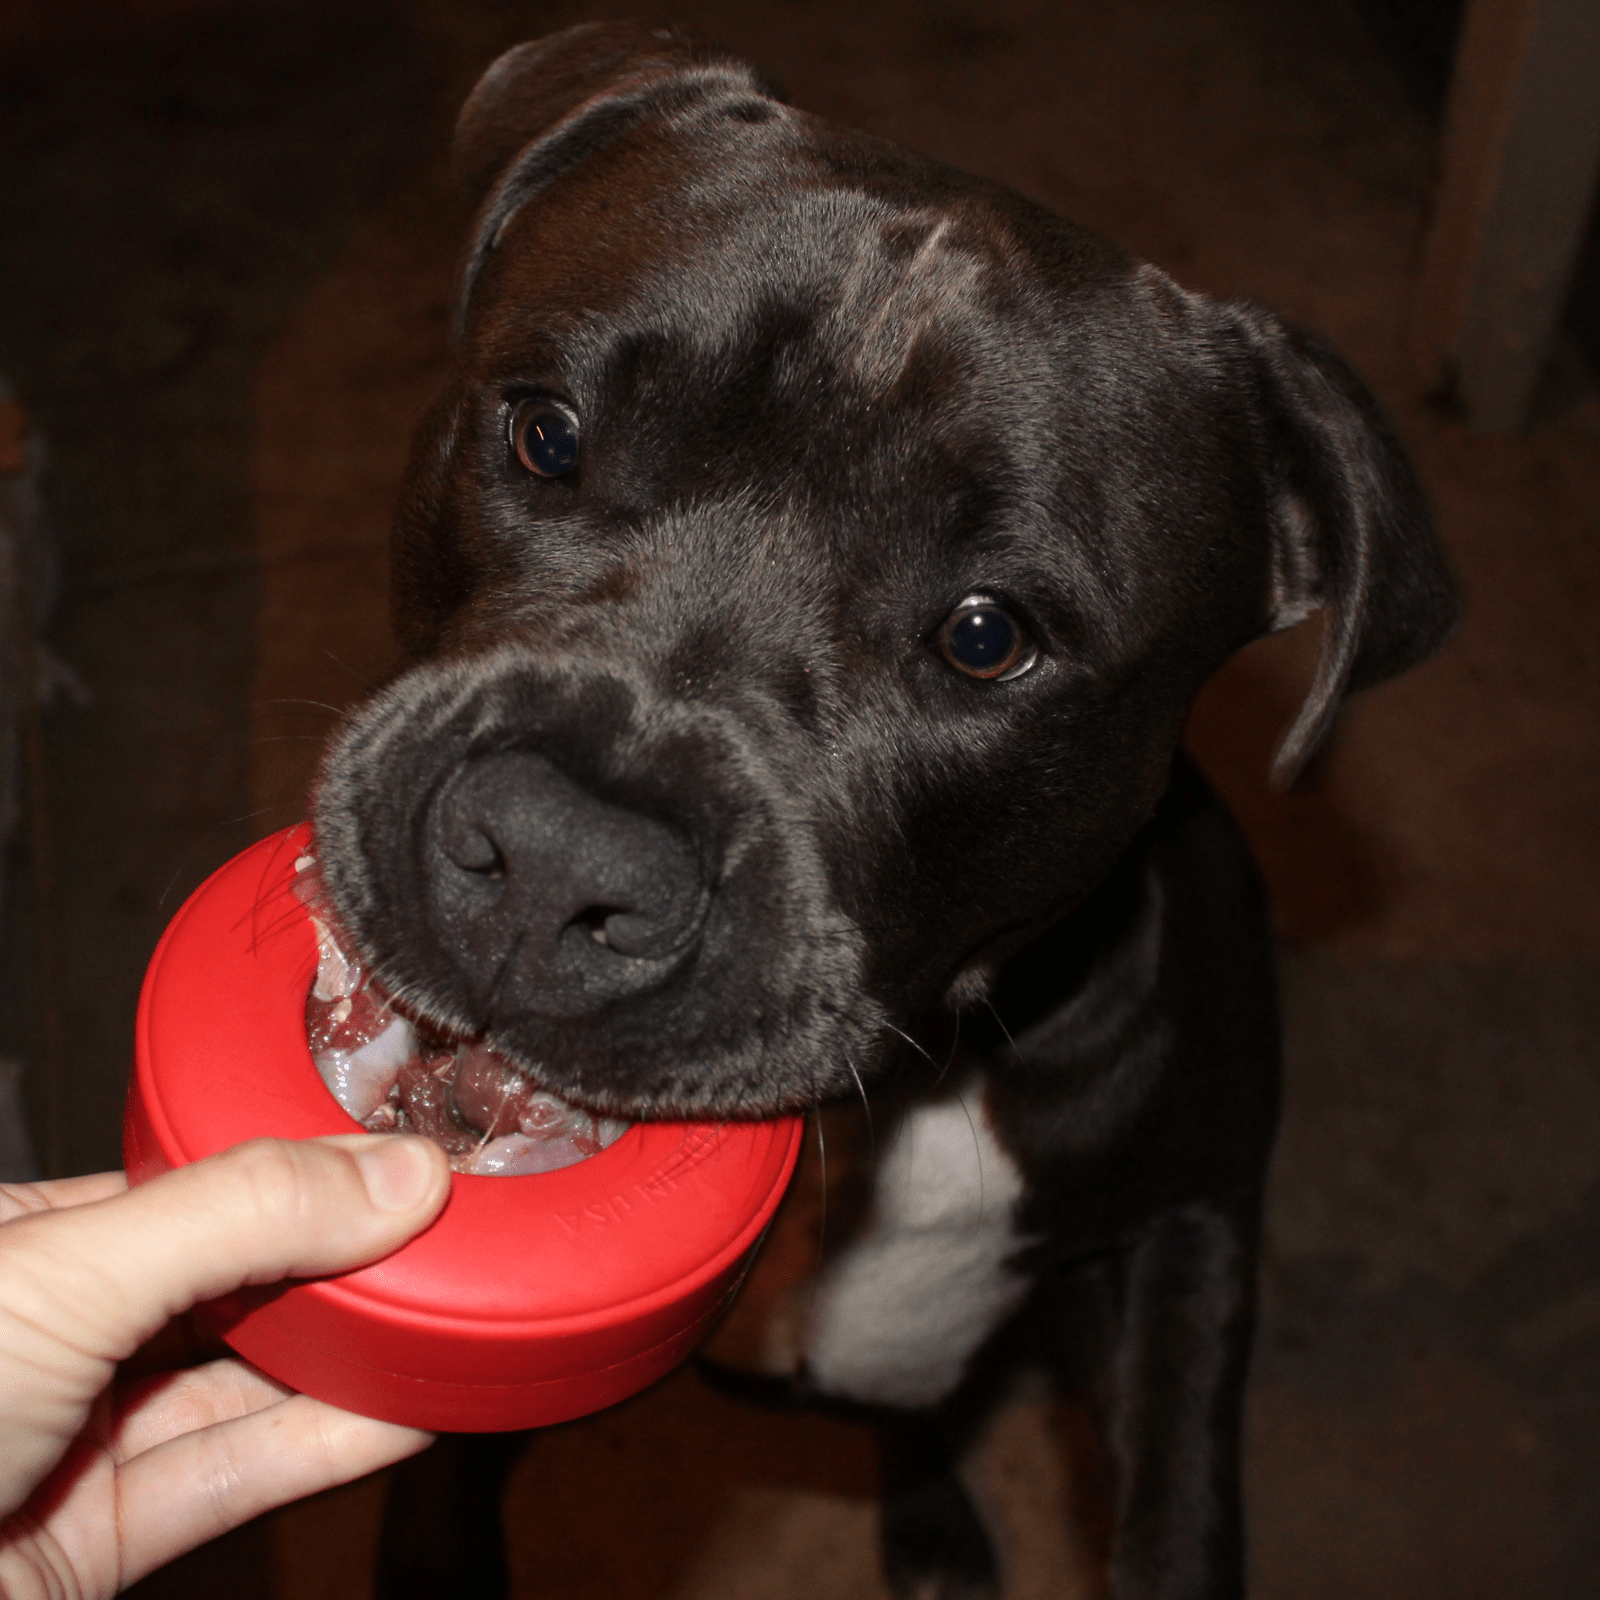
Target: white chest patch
(897,1317)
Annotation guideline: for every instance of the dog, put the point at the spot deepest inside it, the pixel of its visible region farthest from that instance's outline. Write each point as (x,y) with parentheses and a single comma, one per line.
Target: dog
(800,586)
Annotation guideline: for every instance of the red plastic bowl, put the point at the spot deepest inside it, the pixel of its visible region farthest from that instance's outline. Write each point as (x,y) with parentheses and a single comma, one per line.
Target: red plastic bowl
(532,1299)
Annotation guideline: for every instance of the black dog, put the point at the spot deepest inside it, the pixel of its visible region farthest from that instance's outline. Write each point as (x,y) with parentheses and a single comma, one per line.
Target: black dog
(802,583)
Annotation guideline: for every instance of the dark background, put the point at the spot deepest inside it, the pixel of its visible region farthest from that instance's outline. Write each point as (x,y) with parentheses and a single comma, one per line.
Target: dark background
(226,240)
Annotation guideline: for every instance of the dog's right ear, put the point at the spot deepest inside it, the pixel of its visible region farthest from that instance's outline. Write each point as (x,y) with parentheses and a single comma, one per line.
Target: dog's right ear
(544,106)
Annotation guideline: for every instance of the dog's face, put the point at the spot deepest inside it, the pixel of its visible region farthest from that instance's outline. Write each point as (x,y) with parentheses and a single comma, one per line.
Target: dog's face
(802,583)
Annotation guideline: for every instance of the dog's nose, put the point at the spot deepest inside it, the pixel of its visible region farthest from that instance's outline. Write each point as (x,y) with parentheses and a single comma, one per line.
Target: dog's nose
(552,899)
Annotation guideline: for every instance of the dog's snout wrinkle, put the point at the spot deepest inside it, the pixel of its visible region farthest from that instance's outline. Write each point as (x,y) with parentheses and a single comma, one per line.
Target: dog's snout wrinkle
(573,902)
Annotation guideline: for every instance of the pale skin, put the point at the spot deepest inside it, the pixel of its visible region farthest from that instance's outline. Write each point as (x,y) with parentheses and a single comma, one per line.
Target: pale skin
(101,1482)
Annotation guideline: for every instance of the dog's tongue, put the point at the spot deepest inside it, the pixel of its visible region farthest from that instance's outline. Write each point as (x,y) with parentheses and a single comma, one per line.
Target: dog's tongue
(474,1104)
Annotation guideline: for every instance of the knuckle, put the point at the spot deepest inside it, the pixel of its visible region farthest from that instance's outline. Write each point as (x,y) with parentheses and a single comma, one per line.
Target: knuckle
(280,1178)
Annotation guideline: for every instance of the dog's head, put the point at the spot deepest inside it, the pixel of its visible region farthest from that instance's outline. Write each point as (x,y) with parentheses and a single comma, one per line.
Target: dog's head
(803,580)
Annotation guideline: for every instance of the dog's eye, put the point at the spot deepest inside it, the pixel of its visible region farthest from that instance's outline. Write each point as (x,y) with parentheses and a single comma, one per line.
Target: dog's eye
(545,437)
(983,640)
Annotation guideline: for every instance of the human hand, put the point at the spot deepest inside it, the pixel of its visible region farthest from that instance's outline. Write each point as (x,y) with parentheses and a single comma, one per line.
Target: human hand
(98,1488)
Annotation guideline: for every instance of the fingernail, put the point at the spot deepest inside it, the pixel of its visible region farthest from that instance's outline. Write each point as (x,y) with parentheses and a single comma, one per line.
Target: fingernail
(397,1172)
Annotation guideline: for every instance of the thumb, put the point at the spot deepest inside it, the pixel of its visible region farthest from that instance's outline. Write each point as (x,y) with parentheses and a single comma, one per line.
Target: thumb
(82,1288)
(113,1272)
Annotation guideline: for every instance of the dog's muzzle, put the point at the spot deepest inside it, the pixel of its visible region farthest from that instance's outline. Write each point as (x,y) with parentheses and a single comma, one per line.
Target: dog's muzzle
(623,891)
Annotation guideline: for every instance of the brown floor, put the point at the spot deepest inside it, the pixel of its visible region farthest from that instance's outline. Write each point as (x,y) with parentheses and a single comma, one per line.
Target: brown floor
(1427,1404)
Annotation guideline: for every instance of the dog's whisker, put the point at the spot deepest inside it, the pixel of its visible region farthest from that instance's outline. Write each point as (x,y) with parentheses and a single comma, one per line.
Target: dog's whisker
(872,1133)
(165,897)
(365,682)
(977,1149)
(505,1100)
(1001,1024)
(921,1050)
(319,705)
(249,816)
(939,1073)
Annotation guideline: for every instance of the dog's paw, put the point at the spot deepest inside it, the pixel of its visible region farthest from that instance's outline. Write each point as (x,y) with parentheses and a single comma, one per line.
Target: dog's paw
(934,1545)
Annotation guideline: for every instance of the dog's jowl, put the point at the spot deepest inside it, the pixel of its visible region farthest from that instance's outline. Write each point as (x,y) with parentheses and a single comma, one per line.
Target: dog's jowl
(801,585)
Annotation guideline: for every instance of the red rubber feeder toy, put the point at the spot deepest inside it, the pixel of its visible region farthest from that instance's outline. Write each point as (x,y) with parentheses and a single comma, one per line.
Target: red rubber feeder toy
(533,1299)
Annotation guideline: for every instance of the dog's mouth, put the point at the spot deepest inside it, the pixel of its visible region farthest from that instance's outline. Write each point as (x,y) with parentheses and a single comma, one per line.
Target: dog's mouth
(394,1073)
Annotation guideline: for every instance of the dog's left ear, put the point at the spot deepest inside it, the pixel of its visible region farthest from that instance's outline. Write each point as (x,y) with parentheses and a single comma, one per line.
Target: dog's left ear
(546,105)
(1352,532)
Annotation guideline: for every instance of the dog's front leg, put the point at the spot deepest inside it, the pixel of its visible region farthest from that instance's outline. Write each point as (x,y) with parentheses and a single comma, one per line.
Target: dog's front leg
(1178,1364)
(934,1545)
(441,1536)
